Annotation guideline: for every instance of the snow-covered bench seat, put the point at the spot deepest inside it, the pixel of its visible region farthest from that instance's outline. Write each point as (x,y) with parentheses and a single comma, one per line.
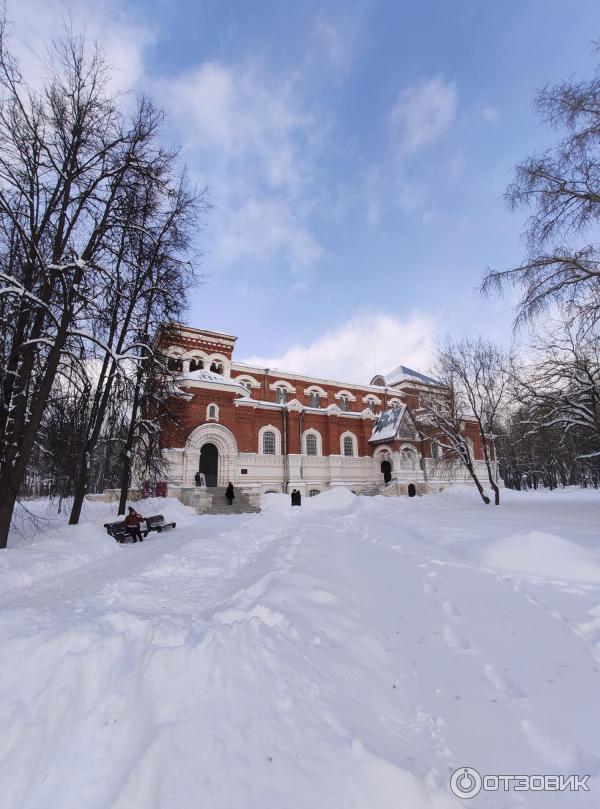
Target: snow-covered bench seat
(118,530)
(157,523)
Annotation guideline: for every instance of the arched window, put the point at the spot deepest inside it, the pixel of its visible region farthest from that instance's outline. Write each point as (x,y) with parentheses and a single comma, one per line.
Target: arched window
(268,442)
(372,404)
(315,399)
(212,412)
(435,449)
(216,368)
(196,365)
(314,492)
(248,385)
(348,446)
(282,395)
(175,364)
(311,444)
(344,403)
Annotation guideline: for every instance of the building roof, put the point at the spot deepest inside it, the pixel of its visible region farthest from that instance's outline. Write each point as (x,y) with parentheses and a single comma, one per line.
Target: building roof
(404,374)
(211,377)
(386,426)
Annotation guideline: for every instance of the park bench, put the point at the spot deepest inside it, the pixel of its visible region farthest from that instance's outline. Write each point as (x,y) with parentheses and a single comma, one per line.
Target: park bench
(118,530)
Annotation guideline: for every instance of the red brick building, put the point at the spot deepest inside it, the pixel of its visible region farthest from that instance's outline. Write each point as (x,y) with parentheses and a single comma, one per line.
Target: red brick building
(271,430)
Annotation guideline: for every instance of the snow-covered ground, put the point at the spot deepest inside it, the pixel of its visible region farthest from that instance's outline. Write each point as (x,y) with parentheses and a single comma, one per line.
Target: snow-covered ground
(349,654)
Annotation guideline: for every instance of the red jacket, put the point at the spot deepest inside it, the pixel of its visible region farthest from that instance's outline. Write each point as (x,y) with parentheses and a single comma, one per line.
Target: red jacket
(133,518)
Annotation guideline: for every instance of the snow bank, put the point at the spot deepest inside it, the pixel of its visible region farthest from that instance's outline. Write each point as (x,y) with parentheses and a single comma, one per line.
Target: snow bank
(542,554)
(294,659)
(335,499)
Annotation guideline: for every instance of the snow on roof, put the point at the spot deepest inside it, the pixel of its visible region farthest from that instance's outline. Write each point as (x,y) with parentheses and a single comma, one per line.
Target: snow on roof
(387,424)
(202,375)
(402,374)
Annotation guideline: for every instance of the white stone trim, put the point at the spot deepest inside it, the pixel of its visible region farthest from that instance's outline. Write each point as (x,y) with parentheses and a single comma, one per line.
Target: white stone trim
(216,416)
(281,383)
(261,432)
(371,397)
(414,451)
(317,434)
(345,392)
(315,389)
(223,439)
(247,378)
(244,368)
(175,351)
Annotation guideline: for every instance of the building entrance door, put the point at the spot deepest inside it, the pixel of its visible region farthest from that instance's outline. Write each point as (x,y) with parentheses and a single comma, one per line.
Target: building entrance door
(209,464)
(386,468)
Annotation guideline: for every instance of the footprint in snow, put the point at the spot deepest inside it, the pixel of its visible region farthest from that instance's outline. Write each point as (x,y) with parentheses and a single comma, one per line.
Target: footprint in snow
(501,682)
(455,640)
(451,609)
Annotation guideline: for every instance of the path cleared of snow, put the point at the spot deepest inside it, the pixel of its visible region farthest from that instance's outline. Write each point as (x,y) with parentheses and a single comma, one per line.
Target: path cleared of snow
(349,654)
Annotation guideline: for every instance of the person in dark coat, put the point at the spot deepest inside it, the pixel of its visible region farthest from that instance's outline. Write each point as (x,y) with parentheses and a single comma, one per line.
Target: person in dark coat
(132,522)
(197,479)
(296,498)
(229,493)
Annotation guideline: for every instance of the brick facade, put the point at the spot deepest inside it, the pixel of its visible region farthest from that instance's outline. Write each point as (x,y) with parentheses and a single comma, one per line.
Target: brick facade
(228,404)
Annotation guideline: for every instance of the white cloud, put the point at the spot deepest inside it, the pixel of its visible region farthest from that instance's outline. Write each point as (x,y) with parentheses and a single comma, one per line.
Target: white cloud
(256,143)
(262,229)
(338,38)
(123,37)
(367,344)
(423,113)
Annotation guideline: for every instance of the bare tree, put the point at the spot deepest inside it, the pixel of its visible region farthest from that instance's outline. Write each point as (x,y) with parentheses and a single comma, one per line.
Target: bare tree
(476,374)
(440,420)
(561,189)
(68,155)
(558,388)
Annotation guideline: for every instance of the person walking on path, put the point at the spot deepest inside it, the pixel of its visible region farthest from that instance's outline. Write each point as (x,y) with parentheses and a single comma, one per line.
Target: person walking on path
(229,494)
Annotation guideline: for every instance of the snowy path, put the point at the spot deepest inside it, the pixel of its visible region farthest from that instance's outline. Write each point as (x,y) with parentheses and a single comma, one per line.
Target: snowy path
(348,654)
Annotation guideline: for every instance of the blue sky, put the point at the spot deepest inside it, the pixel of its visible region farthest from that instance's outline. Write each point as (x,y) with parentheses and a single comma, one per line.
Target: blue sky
(355,155)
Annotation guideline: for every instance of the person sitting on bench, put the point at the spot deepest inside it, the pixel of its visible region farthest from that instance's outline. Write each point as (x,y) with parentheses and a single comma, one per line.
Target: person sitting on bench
(132,521)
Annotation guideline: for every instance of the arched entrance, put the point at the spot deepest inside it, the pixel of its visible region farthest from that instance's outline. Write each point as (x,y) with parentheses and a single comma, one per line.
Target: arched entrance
(386,468)
(412,490)
(209,463)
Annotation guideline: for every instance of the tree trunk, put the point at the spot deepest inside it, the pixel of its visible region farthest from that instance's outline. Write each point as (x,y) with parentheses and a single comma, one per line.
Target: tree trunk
(7,504)
(125,481)
(81,482)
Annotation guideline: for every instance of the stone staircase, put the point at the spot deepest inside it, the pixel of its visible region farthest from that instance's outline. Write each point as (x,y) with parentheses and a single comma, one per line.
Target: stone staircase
(241,503)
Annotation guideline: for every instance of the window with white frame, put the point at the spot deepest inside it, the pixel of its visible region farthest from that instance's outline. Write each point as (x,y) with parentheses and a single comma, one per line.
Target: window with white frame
(212,412)
(248,385)
(371,404)
(314,399)
(435,449)
(196,364)
(268,442)
(344,403)
(282,395)
(348,446)
(311,444)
